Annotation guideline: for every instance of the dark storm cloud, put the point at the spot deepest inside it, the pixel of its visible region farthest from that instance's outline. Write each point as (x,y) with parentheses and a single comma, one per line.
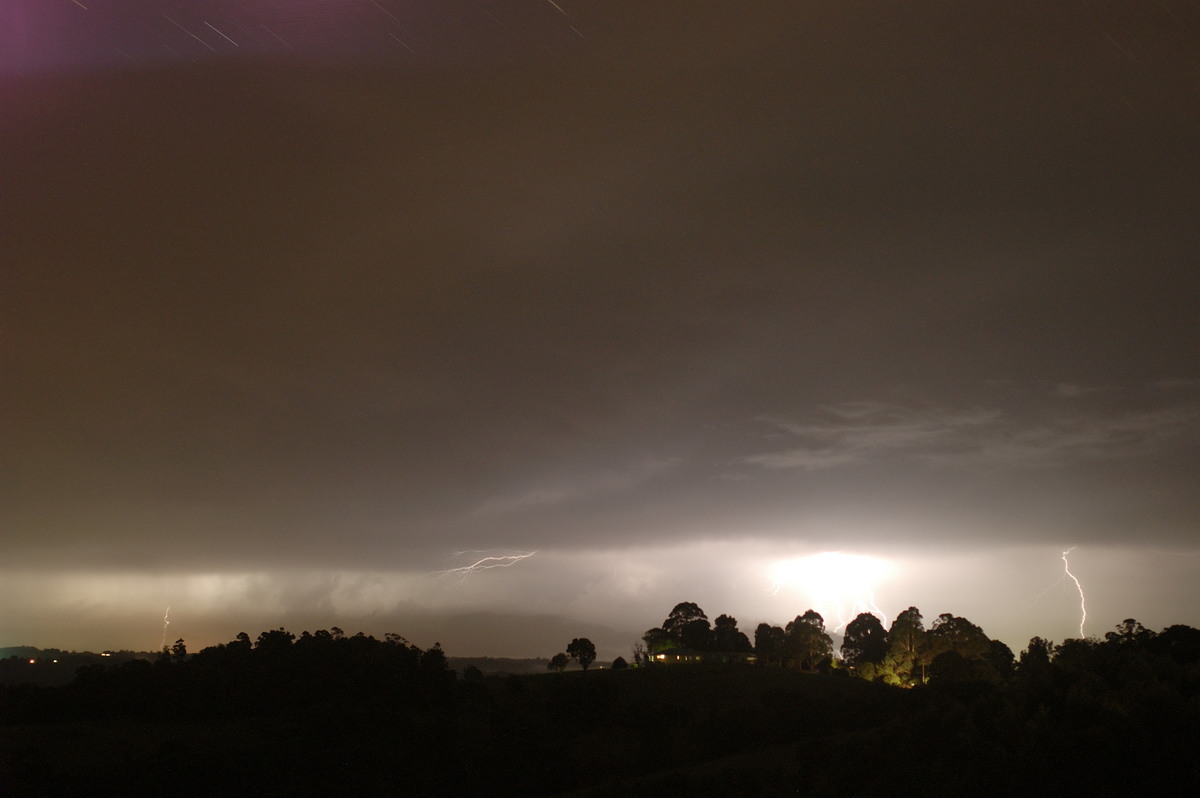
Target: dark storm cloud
(982,439)
(774,270)
(560,489)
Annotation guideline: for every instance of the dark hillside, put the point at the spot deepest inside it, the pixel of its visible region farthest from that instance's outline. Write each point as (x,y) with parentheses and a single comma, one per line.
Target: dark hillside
(336,715)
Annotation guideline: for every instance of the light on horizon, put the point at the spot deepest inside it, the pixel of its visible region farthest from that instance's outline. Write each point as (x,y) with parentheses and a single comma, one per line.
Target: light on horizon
(836,584)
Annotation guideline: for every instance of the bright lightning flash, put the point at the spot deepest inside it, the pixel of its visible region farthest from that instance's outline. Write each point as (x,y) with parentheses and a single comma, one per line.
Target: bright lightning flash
(166,623)
(1079,587)
(465,572)
(837,585)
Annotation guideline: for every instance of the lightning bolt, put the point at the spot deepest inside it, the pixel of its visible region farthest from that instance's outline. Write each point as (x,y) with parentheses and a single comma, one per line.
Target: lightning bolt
(864,605)
(166,623)
(463,573)
(1079,587)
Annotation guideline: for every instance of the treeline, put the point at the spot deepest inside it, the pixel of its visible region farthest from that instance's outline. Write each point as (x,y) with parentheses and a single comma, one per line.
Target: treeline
(687,627)
(53,666)
(803,643)
(277,672)
(1117,715)
(904,654)
(1112,716)
(907,653)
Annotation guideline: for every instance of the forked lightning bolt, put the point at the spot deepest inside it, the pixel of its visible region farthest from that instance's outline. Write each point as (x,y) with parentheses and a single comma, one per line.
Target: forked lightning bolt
(166,623)
(1079,587)
(464,572)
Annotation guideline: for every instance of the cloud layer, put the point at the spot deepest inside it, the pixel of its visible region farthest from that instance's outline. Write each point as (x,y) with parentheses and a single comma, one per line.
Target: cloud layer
(1054,435)
(756,280)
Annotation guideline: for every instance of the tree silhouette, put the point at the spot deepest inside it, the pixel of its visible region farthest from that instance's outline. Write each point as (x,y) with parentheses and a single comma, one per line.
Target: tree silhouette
(684,613)
(433,660)
(1001,658)
(582,651)
(1034,672)
(953,633)
(865,642)
(906,661)
(658,640)
(274,640)
(1037,655)
(806,641)
(1181,643)
(1128,631)
(558,662)
(696,635)
(962,652)
(726,637)
(769,643)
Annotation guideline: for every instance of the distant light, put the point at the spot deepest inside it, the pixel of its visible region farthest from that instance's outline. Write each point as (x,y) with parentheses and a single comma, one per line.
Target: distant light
(32,661)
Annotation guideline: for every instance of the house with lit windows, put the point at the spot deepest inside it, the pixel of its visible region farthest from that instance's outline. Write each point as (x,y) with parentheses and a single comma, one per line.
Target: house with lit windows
(674,656)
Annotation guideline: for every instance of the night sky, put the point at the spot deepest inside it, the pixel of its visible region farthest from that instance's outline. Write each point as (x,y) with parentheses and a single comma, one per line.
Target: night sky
(763,305)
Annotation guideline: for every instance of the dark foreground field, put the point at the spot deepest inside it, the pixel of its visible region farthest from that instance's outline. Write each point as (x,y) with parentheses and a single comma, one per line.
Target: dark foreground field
(380,720)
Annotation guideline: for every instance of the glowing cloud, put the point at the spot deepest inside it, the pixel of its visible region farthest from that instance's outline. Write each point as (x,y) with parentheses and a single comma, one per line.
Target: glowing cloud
(837,585)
